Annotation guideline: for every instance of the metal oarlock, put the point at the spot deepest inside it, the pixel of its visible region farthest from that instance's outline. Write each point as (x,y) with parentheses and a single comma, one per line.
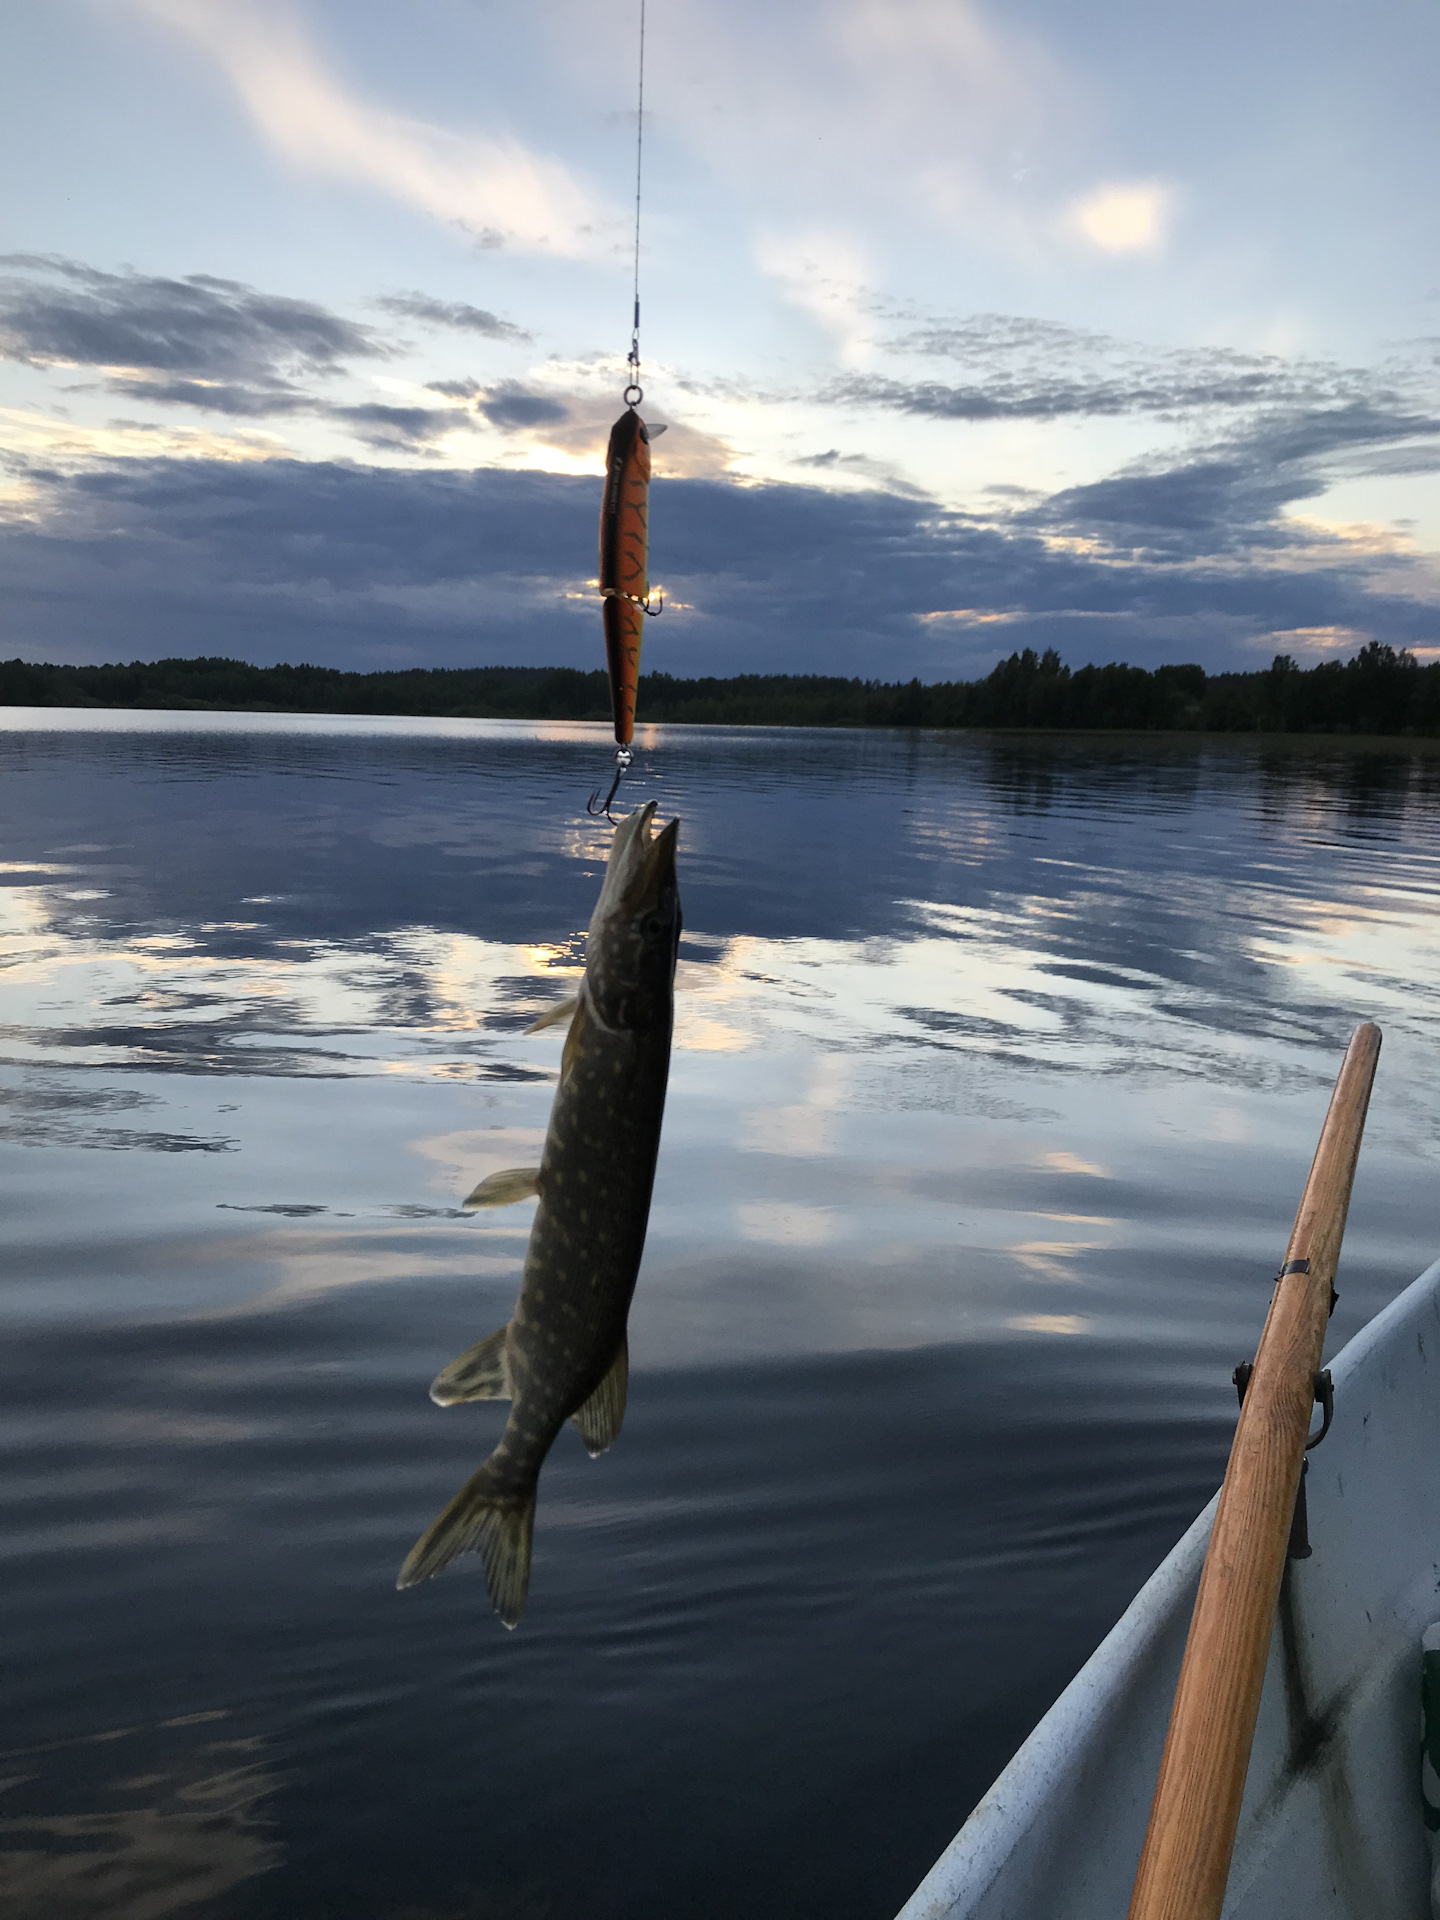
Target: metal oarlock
(1299,1547)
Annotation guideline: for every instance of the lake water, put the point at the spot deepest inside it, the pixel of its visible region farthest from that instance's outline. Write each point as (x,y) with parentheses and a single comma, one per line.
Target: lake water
(999,1063)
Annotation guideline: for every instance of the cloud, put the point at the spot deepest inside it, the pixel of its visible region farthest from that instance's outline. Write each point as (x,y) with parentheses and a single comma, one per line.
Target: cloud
(491,185)
(376,566)
(49,443)
(59,312)
(858,466)
(821,271)
(1230,497)
(1022,368)
(1317,640)
(213,396)
(1202,547)
(509,405)
(395,429)
(573,424)
(451,313)
(218,346)
(879,105)
(973,616)
(1124,217)
(326,562)
(224,348)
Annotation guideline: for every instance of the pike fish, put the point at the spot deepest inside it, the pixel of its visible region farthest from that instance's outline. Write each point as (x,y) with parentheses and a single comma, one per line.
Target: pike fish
(563,1354)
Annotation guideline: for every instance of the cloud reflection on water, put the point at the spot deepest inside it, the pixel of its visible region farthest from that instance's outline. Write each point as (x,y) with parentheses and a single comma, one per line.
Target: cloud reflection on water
(1010,953)
(180,1822)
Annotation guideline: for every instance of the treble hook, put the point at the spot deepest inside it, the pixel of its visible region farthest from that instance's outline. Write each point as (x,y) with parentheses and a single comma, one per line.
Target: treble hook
(623,757)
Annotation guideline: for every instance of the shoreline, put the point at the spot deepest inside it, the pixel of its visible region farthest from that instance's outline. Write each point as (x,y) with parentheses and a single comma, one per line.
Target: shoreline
(67,716)
(1376,694)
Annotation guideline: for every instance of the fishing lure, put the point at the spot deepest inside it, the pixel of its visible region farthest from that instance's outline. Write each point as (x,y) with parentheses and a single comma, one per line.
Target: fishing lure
(624,582)
(624,553)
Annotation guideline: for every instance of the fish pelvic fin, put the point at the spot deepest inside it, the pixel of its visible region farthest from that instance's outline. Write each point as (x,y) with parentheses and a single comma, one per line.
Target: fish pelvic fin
(504,1189)
(600,1417)
(482,1372)
(552,1016)
(489,1517)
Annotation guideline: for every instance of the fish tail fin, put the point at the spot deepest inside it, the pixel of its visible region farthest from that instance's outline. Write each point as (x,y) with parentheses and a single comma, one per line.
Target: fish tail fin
(489,1516)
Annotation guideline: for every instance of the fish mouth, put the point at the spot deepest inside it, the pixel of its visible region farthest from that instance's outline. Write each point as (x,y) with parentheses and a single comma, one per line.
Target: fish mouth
(642,864)
(659,858)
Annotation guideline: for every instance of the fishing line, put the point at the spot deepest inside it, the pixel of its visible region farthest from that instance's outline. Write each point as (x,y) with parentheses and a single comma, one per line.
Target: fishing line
(625,511)
(633,361)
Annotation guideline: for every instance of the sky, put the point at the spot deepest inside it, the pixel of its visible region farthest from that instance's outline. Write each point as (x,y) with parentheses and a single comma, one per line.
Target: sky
(1106,328)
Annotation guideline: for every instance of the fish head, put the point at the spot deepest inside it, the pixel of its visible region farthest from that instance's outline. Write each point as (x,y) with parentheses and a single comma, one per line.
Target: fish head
(635,929)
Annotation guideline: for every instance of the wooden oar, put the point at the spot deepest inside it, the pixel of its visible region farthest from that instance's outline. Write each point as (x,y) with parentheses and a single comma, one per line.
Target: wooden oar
(1185,1861)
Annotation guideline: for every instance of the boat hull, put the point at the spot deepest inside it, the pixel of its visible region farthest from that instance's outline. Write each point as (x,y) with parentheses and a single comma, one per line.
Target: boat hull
(1332,1823)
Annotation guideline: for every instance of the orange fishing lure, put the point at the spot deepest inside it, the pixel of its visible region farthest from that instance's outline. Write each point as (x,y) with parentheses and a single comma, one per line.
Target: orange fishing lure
(624,557)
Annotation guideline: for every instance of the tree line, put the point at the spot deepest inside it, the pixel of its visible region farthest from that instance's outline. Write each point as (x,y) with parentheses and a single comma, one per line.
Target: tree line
(1377,691)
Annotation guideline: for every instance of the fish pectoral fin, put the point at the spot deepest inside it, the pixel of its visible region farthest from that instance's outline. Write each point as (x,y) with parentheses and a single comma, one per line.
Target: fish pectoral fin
(482,1372)
(554,1015)
(576,1037)
(504,1189)
(600,1417)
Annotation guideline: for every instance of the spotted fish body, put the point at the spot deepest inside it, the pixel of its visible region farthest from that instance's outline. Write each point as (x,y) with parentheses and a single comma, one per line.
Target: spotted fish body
(624,560)
(563,1354)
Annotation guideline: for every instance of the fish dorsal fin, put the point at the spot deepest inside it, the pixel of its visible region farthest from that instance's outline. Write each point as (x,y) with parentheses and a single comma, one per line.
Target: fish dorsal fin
(481,1373)
(554,1015)
(600,1417)
(504,1189)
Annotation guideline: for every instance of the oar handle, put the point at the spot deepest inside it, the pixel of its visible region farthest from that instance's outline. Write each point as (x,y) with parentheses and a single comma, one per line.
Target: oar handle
(1185,1861)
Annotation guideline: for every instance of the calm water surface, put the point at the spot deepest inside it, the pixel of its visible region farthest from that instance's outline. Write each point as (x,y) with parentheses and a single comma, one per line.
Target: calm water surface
(999,1063)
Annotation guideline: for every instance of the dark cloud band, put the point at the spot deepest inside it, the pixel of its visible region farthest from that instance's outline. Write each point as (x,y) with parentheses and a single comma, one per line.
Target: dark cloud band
(373,566)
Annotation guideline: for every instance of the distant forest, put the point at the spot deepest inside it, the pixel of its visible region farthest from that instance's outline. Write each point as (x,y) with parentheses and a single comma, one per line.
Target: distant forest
(1379,691)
